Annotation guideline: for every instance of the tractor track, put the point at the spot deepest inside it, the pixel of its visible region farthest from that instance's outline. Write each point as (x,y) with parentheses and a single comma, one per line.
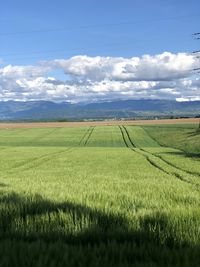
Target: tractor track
(89,135)
(84,136)
(124,139)
(129,136)
(133,148)
(168,162)
(173,170)
(37,161)
(175,166)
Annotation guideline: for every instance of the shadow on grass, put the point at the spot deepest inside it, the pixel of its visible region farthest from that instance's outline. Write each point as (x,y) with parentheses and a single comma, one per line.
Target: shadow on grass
(183,154)
(3,185)
(194,133)
(64,232)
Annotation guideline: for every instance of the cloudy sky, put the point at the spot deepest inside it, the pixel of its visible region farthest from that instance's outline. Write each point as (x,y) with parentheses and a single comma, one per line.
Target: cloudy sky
(99,50)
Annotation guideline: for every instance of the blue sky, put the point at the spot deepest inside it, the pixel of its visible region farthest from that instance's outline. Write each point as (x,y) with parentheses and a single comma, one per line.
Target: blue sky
(104,28)
(73,40)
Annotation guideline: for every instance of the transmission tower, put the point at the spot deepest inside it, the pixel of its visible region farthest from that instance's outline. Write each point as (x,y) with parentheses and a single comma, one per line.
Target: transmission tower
(196,36)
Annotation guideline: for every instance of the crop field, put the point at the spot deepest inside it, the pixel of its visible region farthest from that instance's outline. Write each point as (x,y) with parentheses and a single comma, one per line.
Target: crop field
(126,195)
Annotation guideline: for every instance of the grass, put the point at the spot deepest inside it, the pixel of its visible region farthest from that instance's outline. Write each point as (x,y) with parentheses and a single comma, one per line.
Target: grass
(111,196)
(182,137)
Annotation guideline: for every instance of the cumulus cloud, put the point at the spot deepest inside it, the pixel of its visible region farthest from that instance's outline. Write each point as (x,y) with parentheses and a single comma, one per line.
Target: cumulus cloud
(166,66)
(163,76)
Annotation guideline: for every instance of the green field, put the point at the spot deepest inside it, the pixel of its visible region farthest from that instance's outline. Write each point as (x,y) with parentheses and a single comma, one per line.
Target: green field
(100,196)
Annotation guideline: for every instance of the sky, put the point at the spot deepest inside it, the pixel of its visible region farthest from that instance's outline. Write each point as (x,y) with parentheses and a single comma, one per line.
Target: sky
(99,50)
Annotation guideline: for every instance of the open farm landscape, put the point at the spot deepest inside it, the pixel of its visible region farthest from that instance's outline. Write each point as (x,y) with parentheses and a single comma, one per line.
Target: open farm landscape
(117,195)
(100,133)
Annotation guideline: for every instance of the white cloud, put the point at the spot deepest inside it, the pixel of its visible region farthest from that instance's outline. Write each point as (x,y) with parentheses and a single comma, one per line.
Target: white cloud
(13,72)
(166,66)
(164,76)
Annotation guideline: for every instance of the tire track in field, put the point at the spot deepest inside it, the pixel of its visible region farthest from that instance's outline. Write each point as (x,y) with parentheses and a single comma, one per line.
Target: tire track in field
(44,158)
(174,170)
(169,168)
(89,135)
(123,136)
(175,166)
(37,161)
(169,162)
(124,133)
(156,161)
(140,150)
(49,157)
(82,141)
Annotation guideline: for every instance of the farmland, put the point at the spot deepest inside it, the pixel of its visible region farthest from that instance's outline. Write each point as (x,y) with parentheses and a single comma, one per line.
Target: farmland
(94,195)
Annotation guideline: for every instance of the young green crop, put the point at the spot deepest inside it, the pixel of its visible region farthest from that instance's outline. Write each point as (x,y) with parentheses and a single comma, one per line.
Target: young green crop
(96,196)
(183,137)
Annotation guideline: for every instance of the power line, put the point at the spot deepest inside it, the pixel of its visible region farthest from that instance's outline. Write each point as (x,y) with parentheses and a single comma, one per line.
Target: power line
(113,46)
(85,27)
(63,50)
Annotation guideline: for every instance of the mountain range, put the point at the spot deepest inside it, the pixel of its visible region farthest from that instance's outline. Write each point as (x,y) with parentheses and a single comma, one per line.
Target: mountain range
(119,109)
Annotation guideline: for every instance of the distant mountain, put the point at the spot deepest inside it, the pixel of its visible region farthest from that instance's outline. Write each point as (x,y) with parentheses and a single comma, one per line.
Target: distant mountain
(145,105)
(47,110)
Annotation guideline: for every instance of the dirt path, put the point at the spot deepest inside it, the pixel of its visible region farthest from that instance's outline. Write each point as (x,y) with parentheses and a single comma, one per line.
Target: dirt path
(94,123)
